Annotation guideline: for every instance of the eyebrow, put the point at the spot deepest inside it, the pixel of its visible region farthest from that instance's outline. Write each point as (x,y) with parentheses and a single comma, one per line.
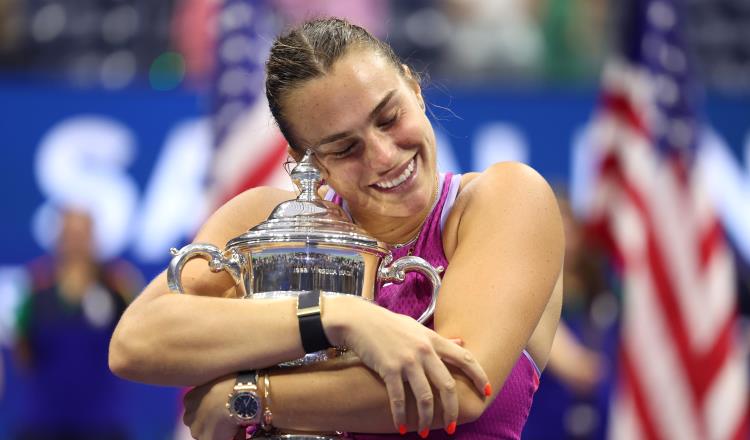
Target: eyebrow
(334,137)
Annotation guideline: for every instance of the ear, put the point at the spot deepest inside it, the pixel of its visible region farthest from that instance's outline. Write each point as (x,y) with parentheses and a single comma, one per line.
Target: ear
(413,83)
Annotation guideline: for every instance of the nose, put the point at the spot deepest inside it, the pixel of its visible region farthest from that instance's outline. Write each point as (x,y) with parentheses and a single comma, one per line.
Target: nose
(381,152)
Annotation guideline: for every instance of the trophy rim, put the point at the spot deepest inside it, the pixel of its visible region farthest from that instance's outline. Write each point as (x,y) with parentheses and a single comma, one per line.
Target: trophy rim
(306,232)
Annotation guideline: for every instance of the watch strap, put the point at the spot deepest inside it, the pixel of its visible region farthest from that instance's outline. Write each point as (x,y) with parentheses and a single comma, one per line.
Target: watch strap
(310,325)
(248,378)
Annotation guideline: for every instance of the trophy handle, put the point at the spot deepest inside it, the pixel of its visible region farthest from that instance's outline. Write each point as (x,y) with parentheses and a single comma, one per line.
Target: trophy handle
(216,262)
(396,272)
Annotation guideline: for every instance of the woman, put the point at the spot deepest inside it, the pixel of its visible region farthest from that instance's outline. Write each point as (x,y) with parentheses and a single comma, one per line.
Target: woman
(334,88)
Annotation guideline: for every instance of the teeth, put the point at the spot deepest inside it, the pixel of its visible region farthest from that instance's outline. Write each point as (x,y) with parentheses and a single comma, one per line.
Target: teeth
(398,180)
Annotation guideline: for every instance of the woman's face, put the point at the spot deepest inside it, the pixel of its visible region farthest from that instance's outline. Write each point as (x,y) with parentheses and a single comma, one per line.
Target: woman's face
(367,125)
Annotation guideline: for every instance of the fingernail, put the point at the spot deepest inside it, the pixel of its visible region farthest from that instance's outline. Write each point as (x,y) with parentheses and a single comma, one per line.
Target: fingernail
(451,428)
(402,429)
(488,390)
(424,433)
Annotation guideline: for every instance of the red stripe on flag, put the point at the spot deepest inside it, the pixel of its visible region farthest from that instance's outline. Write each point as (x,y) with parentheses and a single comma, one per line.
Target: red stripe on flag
(743,430)
(710,243)
(618,104)
(260,174)
(708,365)
(633,385)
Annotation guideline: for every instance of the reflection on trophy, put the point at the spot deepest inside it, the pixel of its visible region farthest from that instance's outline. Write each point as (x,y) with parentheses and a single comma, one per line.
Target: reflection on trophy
(306,248)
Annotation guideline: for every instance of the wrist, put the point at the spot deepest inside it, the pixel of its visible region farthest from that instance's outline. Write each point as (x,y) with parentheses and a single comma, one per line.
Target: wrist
(335,322)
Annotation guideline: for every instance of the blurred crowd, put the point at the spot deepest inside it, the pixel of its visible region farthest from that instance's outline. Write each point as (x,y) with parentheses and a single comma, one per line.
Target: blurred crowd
(118,43)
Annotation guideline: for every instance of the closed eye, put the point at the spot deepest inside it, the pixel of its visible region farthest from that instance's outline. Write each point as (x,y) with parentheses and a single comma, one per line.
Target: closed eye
(345,152)
(389,122)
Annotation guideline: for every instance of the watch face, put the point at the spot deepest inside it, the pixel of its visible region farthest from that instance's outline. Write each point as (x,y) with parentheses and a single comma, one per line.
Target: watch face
(245,405)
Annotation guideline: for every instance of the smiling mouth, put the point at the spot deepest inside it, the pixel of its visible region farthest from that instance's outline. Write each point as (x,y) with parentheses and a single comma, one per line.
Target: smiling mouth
(393,183)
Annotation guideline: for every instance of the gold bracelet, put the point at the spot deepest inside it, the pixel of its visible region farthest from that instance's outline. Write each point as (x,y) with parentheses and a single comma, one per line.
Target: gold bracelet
(266,421)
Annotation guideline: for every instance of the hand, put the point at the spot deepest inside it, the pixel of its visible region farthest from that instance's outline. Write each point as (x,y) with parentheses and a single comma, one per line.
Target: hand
(206,414)
(400,349)
(583,372)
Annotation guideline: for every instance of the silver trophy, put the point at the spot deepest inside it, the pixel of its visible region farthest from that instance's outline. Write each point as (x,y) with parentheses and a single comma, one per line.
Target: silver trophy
(307,247)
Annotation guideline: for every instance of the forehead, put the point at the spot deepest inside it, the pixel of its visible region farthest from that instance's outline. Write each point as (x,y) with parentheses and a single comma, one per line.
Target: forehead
(343,98)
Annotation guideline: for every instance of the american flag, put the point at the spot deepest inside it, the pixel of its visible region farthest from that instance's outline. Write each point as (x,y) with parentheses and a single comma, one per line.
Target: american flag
(250,150)
(682,373)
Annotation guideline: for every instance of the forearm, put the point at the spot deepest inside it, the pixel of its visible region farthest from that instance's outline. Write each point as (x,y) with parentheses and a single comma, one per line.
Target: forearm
(185,340)
(353,399)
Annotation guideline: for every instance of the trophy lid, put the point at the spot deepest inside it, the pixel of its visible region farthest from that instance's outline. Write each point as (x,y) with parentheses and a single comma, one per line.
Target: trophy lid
(309,219)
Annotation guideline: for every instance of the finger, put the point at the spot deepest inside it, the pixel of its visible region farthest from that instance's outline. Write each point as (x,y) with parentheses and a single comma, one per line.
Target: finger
(241,434)
(190,399)
(188,418)
(194,433)
(420,386)
(457,341)
(463,359)
(445,384)
(395,386)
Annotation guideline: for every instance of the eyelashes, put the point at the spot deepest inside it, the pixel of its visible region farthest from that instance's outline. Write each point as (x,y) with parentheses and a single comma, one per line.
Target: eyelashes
(345,152)
(351,148)
(392,120)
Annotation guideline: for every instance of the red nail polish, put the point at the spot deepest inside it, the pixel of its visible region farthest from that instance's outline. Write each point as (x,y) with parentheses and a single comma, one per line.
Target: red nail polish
(402,429)
(451,428)
(488,390)
(424,433)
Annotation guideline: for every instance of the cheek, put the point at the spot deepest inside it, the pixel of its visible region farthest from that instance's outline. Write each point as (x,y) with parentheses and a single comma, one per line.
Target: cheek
(413,130)
(344,176)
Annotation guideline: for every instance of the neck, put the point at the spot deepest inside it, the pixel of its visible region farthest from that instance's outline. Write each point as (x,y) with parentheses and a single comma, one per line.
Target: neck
(397,230)
(74,277)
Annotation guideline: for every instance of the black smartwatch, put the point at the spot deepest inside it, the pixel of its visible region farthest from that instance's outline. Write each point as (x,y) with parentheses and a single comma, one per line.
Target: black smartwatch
(310,325)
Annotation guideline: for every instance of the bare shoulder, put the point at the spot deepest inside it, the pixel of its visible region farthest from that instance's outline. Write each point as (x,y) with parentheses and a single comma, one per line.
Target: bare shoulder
(507,176)
(512,190)
(241,213)
(505,193)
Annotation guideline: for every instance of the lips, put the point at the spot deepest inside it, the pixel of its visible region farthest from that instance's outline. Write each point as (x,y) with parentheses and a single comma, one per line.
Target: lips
(407,172)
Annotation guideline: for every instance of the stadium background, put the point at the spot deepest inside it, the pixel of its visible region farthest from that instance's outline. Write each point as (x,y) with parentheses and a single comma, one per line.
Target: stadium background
(110,104)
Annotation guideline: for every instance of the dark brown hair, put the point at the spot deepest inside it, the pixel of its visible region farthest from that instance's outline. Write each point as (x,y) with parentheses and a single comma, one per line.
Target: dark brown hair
(308,51)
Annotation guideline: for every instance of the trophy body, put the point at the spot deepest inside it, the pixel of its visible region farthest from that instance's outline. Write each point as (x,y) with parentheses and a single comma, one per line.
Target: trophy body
(308,247)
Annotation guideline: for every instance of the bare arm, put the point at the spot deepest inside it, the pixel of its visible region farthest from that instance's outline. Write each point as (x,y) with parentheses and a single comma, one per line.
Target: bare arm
(498,284)
(169,339)
(576,365)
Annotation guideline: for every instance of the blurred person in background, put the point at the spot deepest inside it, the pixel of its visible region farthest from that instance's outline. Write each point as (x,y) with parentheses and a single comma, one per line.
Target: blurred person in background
(10,29)
(489,37)
(580,367)
(573,38)
(572,401)
(64,328)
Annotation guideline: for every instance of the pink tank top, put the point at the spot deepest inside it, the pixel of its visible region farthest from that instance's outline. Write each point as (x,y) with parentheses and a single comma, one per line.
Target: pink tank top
(507,414)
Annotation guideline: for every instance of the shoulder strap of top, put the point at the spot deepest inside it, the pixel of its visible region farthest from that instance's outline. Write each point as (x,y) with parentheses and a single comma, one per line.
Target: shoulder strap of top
(450,199)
